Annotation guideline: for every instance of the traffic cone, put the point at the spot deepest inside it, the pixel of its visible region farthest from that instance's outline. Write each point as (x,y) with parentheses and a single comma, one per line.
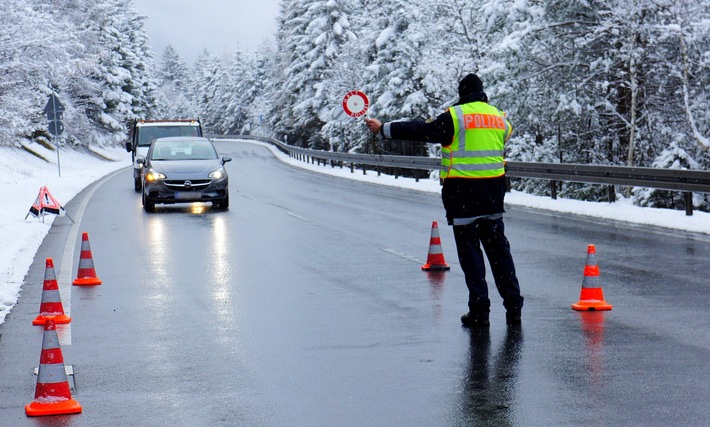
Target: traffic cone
(435,259)
(86,274)
(51,305)
(52,393)
(591,297)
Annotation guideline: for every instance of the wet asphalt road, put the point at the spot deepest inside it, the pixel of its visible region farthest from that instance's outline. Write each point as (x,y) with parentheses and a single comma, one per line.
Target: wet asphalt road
(304,305)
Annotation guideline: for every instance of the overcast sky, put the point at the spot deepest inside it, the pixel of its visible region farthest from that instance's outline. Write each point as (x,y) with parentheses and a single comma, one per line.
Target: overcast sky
(221,26)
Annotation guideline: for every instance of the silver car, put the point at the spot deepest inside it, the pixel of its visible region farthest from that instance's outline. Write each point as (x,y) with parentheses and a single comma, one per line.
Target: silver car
(184,170)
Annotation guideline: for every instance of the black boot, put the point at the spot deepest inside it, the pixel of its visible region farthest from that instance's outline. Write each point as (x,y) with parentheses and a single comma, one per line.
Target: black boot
(473,320)
(513,318)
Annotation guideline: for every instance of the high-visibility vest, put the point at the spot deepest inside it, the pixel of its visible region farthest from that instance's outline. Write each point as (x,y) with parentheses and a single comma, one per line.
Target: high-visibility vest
(480,131)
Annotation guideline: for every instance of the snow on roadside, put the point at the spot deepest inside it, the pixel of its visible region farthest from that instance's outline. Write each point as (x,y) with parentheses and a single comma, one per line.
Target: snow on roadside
(21,177)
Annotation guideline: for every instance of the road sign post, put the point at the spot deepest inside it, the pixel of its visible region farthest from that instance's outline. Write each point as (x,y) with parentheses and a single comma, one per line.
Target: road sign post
(55,114)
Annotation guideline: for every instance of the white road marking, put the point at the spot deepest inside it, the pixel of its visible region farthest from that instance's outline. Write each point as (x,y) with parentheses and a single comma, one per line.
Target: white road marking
(64,278)
(401,255)
(289,213)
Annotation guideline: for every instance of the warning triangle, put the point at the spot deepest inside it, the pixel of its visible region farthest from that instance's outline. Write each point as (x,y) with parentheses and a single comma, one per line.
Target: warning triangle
(45,204)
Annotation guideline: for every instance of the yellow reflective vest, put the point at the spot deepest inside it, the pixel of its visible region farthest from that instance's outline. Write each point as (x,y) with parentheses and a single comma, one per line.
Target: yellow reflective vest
(480,131)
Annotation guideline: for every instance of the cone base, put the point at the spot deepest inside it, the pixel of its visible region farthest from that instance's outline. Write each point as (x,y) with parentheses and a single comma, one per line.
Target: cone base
(586,305)
(87,281)
(59,320)
(37,409)
(435,267)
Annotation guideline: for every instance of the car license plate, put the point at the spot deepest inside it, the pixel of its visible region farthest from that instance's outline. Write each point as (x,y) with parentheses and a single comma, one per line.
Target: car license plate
(188,195)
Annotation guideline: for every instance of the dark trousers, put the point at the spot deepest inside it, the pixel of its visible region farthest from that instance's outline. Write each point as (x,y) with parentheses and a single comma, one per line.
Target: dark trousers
(491,235)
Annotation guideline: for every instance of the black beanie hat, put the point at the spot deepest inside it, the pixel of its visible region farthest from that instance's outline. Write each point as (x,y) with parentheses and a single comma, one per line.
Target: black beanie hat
(469,85)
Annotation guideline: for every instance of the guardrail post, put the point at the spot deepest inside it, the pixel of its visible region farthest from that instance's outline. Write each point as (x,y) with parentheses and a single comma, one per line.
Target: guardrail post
(611,191)
(364,169)
(688,204)
(379,170)
(553,190)
(352,167)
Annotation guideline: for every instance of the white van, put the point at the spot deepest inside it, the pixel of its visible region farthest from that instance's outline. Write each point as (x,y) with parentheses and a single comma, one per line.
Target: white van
(143,132)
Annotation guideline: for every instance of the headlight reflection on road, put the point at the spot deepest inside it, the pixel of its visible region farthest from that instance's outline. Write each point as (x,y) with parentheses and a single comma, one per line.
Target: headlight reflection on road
(158,278)
(160,297)
(224,305)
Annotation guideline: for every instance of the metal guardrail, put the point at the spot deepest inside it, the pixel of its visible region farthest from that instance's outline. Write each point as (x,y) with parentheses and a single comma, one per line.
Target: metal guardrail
(664,179)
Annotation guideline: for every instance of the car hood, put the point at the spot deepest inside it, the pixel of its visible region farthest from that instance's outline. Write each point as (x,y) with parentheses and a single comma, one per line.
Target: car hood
(182,169)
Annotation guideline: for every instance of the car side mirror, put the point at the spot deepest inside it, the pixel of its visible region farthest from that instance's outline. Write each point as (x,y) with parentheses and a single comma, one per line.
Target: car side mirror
(129,146)
(226,159)
(141,160)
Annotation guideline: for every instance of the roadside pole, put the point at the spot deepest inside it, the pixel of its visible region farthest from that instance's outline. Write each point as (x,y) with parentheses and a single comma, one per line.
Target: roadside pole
(55,113)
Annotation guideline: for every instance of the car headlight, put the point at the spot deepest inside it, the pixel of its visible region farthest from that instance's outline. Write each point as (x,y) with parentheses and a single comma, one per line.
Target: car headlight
(218,174)
(154,176)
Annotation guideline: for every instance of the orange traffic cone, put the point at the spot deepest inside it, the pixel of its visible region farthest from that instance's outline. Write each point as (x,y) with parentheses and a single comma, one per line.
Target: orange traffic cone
(86,274)
(435,259)
(591,297)
(51,305)
(52,393)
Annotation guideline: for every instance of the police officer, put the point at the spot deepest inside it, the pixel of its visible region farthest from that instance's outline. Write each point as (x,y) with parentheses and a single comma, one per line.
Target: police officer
(472,134)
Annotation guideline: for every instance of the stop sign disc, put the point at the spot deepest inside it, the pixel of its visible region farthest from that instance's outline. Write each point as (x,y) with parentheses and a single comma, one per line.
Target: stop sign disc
(355,103)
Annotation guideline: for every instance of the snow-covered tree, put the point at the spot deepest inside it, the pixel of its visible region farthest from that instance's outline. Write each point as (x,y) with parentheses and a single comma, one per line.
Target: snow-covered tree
(118,86)
(35,51)
(316,35)
(92,54)
(237,80)
(209,82)
(173,70)
(174,99)
(252,87)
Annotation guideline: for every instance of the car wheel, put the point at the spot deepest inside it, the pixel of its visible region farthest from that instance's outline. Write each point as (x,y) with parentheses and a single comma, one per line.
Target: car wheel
(148,204)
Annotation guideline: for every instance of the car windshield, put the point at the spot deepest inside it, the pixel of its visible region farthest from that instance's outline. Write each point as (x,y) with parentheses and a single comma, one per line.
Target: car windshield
(192,150)
(148,134)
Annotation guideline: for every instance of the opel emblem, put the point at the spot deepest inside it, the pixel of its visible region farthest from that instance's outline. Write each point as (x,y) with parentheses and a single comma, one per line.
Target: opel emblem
(188,184)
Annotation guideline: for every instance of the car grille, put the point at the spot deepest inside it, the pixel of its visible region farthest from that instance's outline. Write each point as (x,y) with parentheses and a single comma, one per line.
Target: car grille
(187,185)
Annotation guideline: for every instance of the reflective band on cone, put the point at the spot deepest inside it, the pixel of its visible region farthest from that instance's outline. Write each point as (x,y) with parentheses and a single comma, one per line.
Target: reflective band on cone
(86,274)
(591,297)
(51,305)
(435,259)
(52,393)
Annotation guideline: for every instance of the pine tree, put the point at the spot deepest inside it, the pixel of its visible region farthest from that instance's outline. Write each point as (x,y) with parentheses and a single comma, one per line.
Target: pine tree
(36,52)
(209,83)
(317,38)
(115,83)
(174,95)
(237,76)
